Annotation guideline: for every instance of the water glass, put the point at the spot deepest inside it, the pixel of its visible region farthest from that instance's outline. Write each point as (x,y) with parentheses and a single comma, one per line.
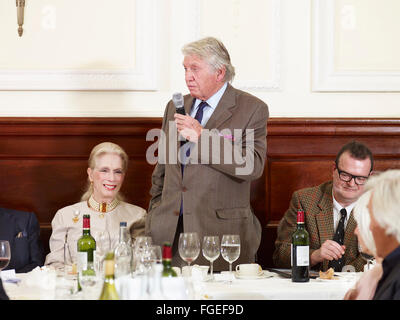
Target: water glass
(230,248)
(91,282)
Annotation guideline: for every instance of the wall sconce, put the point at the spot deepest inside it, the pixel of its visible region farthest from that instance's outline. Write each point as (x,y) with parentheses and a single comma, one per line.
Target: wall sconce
(20,15)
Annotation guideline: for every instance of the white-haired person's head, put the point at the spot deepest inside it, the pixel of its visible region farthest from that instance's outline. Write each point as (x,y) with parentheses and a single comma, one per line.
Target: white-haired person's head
(385,200)
(363,219)
(214,52)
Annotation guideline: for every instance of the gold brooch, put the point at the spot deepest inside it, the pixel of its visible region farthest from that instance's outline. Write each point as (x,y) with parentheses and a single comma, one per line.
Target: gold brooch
(75,218)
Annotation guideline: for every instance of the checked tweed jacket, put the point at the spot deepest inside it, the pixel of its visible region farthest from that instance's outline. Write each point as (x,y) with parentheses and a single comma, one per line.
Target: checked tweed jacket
(216,199)
(317,204)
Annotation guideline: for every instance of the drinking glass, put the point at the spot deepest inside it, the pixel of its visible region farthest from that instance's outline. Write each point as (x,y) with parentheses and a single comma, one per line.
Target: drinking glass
(156,254)
(140,255)
(189,246)
(367,257)
(90,282)
(230,248)
(5,254)
(103,245)
(211,250)
(70,264)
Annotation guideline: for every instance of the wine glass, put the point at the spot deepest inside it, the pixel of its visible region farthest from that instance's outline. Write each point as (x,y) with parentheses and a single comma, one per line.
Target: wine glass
(140,255)
(5,254)
(211,250)
(103,245)
(230,248)
(189,246)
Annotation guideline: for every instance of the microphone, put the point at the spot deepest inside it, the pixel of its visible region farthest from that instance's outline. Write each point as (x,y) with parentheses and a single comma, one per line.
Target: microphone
(177,99)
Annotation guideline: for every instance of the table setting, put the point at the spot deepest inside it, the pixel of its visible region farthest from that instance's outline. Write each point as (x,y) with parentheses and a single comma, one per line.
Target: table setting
(193,282)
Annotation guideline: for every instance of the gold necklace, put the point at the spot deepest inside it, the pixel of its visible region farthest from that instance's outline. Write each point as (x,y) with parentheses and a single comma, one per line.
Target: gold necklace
(102,207)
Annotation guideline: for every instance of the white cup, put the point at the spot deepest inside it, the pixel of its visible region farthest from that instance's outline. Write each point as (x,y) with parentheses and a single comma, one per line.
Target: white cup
(248,269)
(199,272)
(177,270)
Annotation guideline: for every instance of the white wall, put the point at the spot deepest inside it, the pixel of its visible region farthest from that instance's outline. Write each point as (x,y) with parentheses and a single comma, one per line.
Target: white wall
(296,55)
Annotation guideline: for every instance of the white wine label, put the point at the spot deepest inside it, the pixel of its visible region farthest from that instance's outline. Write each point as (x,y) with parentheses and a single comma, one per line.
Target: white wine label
(303,258)
(81,260)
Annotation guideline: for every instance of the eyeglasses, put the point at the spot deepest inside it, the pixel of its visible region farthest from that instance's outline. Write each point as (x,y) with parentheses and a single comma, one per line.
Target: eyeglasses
(346,177)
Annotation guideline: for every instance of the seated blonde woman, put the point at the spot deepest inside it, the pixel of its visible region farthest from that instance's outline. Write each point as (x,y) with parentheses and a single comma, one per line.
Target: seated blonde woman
(365,287)
(107,168)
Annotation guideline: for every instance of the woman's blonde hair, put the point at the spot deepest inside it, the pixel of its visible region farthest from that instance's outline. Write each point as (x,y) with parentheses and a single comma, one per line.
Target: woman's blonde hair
(98,150)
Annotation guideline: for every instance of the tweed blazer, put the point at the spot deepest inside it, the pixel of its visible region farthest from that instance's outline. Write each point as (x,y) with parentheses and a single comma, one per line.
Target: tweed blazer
(215,197)
(317,203)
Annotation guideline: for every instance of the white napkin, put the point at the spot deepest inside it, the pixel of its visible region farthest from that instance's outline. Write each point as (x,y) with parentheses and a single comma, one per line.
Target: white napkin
(42,281)
(43,277)
(9,276)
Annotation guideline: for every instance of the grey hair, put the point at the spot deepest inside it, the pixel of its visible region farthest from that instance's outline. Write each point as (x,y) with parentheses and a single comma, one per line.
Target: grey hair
(214,53)
(100,149)
(385,200)
(363,219)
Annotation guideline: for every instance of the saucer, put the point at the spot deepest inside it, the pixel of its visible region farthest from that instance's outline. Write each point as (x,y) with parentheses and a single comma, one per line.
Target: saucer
(260,275)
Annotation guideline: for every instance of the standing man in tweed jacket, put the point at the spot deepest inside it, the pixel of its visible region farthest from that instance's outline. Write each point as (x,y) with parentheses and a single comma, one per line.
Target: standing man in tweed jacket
(322,205)
(209,194)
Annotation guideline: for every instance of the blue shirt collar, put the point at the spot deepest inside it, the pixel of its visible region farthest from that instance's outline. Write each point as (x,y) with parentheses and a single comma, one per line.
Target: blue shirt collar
(214,99)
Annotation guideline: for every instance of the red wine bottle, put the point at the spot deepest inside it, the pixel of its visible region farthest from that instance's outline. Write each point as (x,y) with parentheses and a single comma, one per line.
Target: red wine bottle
(300,251)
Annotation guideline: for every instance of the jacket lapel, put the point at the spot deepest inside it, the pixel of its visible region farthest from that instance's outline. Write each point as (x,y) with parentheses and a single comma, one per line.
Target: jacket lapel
(325,216)
(325,220)
(349,233)
(223,111)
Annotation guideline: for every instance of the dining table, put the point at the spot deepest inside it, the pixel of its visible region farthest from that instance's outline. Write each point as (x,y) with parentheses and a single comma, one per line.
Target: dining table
(47,284)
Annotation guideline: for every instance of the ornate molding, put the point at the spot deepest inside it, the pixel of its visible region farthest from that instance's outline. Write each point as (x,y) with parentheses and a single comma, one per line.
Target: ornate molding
(324,76)
(142,77)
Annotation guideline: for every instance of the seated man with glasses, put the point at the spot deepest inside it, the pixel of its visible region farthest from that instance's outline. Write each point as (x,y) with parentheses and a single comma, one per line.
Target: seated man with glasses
(328,214)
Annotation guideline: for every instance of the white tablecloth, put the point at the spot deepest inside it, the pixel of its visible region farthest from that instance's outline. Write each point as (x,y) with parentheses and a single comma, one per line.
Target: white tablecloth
(277,288)
(272,288)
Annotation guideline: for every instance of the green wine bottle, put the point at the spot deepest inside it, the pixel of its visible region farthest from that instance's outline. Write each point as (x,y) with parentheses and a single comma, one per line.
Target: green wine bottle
(300,251)
(86,249)
(109,292)
(166,260)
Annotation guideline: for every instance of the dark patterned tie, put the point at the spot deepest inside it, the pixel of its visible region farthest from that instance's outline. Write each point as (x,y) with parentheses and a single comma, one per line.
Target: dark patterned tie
(337,265)
(186,146)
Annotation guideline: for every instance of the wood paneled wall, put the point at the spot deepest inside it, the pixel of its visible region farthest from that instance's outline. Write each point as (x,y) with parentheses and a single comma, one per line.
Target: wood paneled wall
(43,161)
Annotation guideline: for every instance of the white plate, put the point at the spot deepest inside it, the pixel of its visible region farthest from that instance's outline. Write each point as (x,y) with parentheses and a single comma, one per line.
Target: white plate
(261,275)
(328,280)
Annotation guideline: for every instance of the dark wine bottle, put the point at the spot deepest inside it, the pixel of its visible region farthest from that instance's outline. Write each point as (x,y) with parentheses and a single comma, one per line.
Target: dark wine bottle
(86,246)
(300,251)
(167,257)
